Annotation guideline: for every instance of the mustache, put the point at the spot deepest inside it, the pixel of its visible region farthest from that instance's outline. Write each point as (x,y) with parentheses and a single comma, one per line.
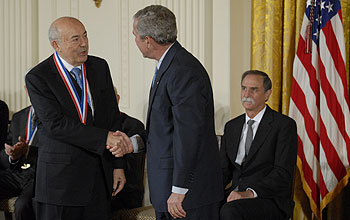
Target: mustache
(244,99)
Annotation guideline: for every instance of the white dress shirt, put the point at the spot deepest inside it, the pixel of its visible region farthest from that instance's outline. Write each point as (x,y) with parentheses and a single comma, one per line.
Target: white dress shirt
(241,147)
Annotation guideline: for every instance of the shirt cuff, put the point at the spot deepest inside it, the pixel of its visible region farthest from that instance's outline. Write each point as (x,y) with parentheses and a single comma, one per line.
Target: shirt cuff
(255,195)
(179,190)
(13,162)
(137,143)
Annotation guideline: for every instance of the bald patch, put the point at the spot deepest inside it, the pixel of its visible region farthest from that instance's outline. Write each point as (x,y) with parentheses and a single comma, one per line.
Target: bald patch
(55,30)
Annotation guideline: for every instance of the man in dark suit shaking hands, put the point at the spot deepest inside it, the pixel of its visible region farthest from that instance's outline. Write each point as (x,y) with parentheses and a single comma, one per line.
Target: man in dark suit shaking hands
(182,153)
(73,97)
(258,154)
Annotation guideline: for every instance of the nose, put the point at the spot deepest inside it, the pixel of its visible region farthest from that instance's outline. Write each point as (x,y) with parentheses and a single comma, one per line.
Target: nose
(245,93)
(83,41)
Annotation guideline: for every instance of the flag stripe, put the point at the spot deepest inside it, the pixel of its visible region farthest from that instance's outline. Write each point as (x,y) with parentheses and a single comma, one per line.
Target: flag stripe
(307,156)
(306,61)
(333,134)
(332,102)
(333,160)
(300,103)
(320,104)
(335,53)
(308,173)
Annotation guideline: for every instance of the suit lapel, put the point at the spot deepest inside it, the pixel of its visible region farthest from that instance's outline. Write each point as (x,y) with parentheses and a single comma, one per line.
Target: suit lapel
(92,77)
(64,91)
(262,132)
(234,137)
(163,68)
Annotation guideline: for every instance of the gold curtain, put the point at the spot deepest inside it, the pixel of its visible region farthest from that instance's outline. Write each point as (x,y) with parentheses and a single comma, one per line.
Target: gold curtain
(275,32)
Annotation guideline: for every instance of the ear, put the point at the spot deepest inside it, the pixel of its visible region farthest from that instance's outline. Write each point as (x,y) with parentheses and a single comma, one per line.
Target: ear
(267,94)
(118,98)
(55,46)
(148,41)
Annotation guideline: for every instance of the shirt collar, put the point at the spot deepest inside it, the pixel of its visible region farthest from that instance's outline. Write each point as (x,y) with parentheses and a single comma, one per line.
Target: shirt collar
(162,58)
(257,117)
(68,66)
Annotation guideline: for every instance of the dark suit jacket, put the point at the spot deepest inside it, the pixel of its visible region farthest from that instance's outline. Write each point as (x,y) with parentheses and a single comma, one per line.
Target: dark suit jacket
(270,164)
(18,128)
(133,192)
(182,148)
(4,119)
(71,153)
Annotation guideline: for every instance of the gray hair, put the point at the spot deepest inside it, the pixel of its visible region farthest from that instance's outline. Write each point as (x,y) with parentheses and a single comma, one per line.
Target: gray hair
(157,22)
(267,80)
(54,34)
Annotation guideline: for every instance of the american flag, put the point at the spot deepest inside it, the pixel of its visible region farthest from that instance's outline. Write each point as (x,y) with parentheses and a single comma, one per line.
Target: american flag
(320,104)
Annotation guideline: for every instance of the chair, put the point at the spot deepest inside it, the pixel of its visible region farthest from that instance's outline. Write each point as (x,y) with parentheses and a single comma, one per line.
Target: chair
(7,206)
(137,213)
(142,213)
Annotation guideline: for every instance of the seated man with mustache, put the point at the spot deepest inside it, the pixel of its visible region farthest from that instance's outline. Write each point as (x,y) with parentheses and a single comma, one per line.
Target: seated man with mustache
(258,154)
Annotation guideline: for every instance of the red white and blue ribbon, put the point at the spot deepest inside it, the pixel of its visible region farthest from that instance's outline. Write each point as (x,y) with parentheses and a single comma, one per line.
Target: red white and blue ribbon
(80,104)
(30,133)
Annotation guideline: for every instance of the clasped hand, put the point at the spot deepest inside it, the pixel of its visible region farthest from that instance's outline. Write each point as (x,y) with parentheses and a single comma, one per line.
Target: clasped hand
(248,194)
(118,143)
(18,150)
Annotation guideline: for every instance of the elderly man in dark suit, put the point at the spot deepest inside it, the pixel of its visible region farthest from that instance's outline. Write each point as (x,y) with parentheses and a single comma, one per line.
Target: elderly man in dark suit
(258,154)
(182,153)
(19,156)
(73,96)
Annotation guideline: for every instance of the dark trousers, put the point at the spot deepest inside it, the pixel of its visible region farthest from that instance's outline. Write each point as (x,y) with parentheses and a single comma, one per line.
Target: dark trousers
(208,212)
(12,185)
(98,208)
(262,209)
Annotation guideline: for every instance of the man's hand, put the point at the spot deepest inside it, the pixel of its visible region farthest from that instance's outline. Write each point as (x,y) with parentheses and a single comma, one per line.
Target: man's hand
(119,181)
(18,150)
(240,195)
(9,150)
(118,143)
(175,205)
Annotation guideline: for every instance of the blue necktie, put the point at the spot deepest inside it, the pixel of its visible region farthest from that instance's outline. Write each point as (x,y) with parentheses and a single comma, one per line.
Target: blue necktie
(77,75)
(154,76)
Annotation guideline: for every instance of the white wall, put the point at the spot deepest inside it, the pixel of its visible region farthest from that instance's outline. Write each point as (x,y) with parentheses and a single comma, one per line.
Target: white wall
(217,32)
(110,36)
(18,49)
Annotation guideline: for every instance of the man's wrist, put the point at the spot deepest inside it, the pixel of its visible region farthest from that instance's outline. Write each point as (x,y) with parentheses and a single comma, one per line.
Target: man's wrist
(179,190)
(253,193)
(137,143)
(12,161)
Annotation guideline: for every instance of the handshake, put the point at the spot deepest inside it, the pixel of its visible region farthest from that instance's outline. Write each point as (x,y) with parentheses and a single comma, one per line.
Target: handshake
(118,143)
